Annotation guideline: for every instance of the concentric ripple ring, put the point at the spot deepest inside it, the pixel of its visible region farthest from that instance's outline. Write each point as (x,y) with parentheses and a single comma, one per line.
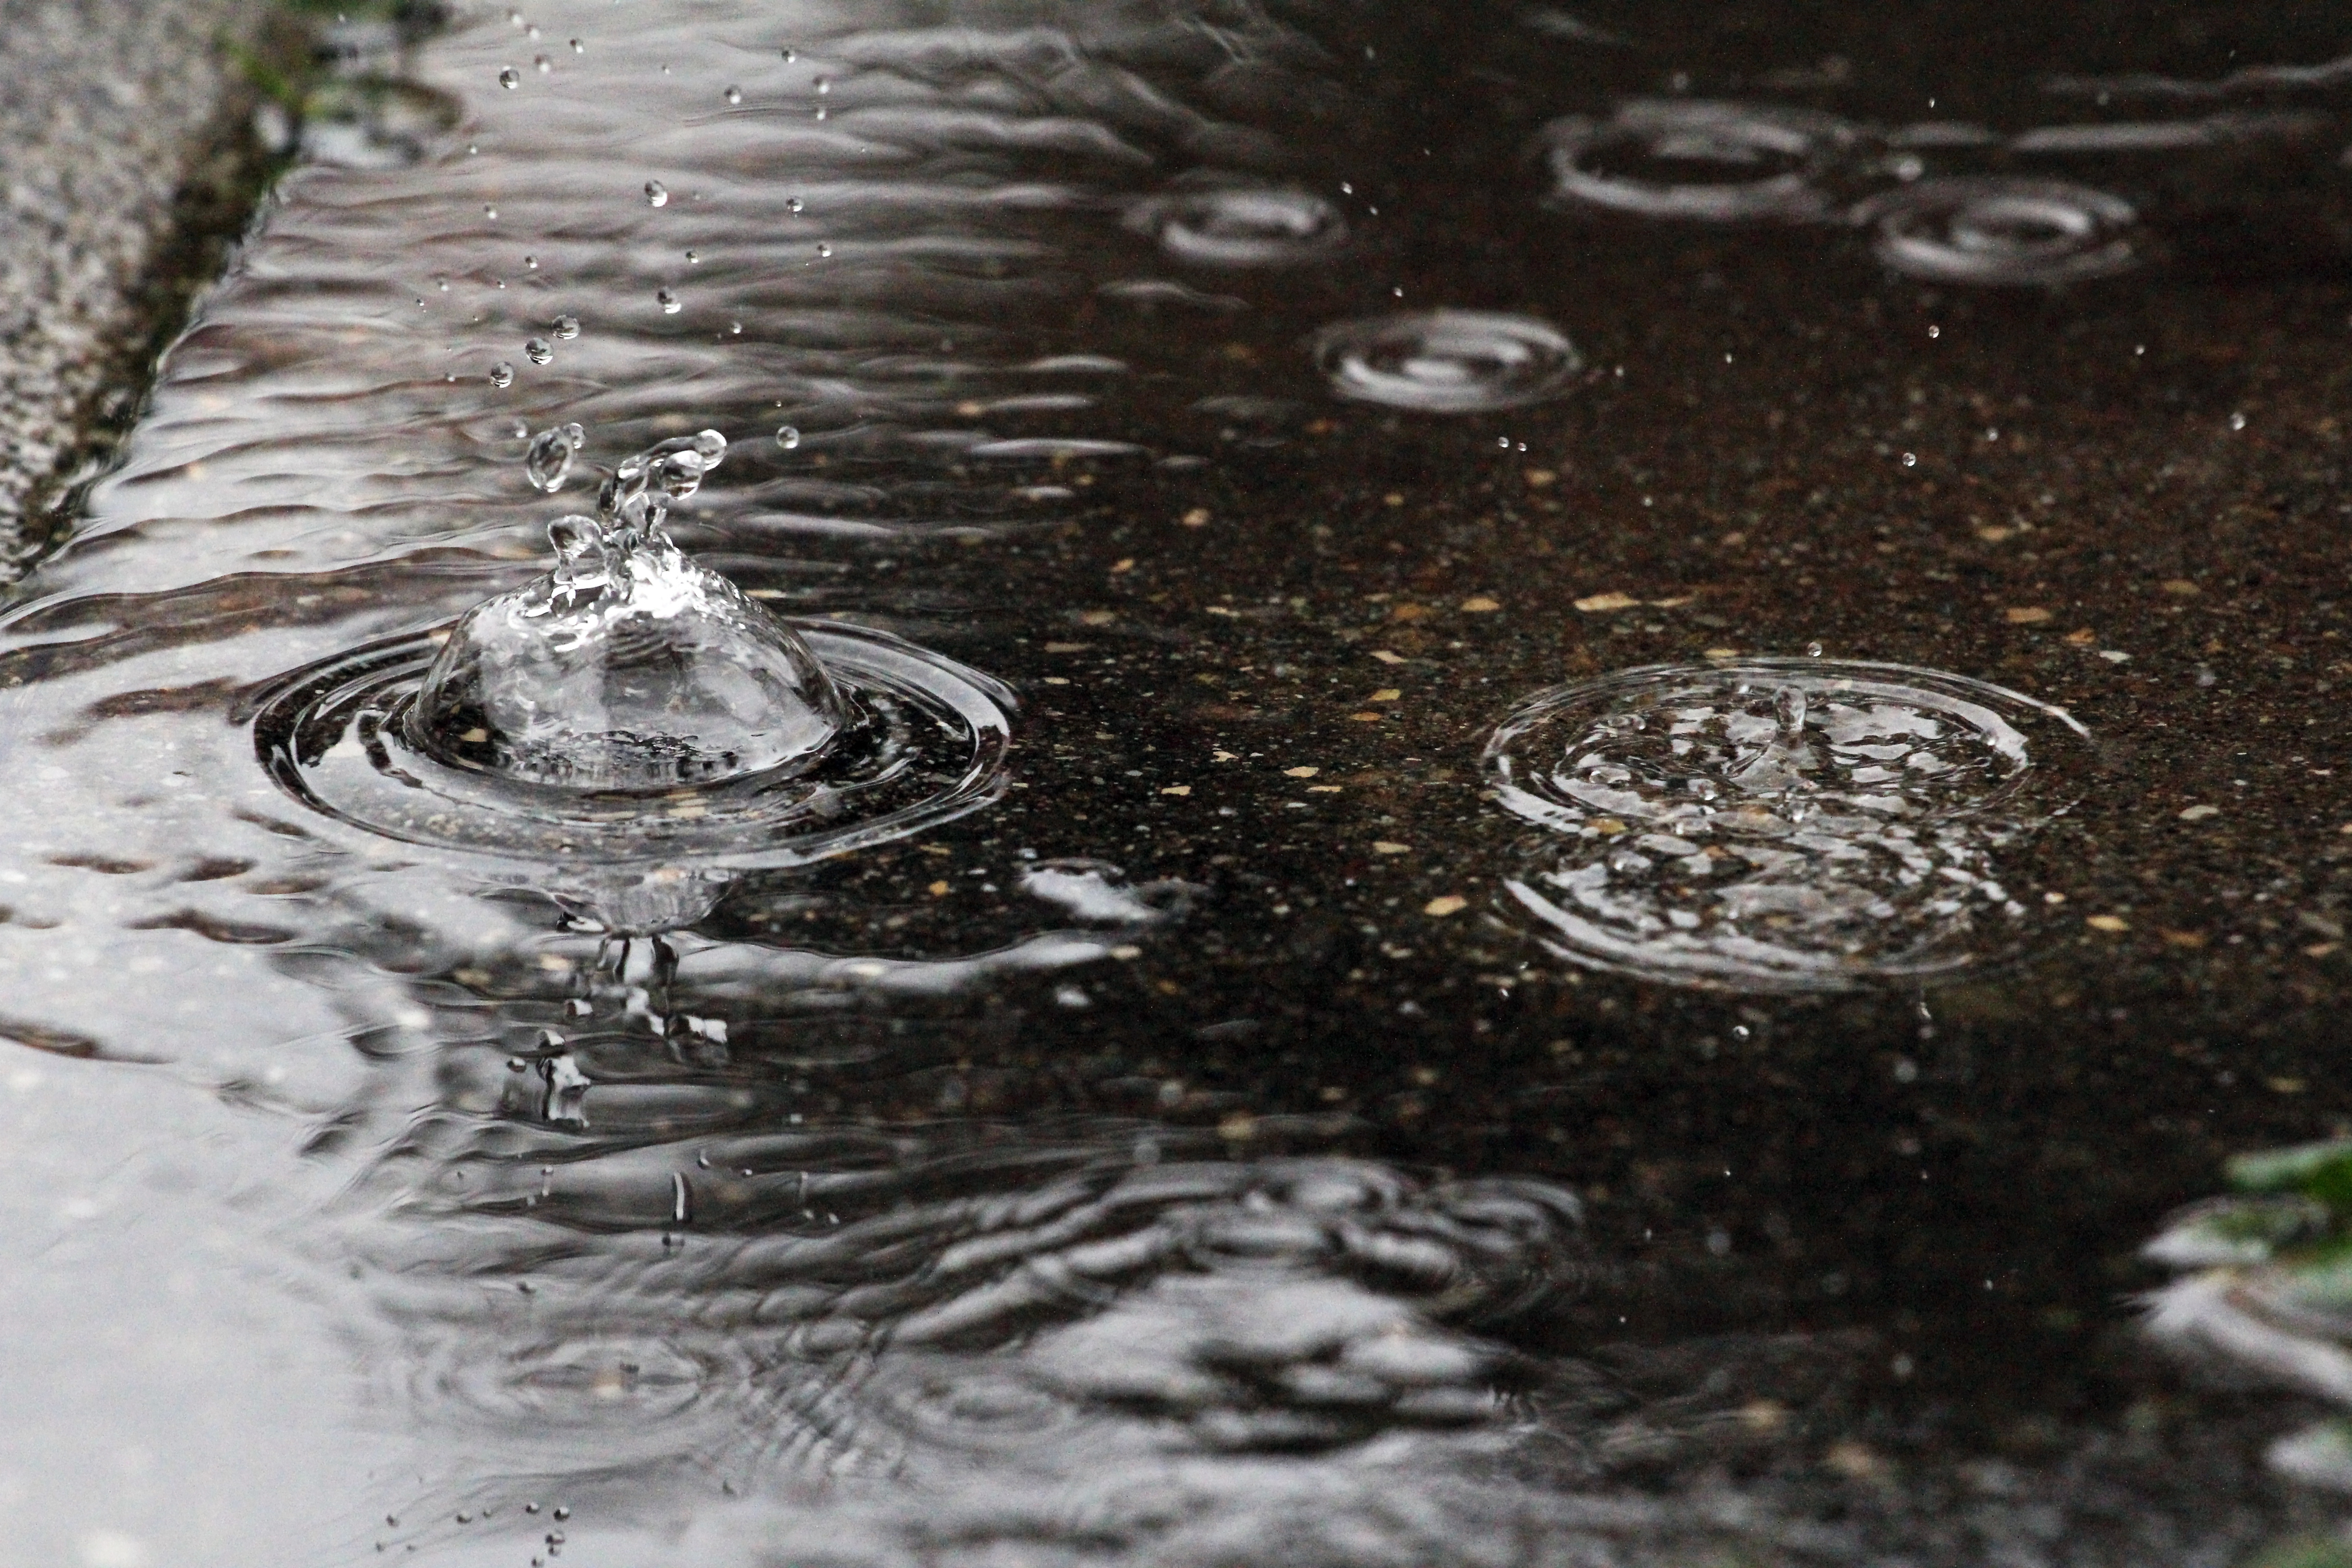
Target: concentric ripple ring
(929,745)
(1993,230)
(1448,362)
(1776,825)
(1713,161)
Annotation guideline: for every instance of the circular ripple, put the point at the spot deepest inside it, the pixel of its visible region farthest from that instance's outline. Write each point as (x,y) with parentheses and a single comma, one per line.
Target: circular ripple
(1448,362)
(1246,227)
(1714,162)
(1778,824)
(928,745)
(1991,230)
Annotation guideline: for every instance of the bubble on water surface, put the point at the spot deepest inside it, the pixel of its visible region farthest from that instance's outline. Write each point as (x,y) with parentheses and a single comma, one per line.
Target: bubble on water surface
(1998,230)
(1776,825)
(1448,362)
(1717,162)
(1241,227)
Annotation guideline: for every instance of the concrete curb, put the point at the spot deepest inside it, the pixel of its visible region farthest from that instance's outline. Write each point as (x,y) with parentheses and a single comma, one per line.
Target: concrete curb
(112,113)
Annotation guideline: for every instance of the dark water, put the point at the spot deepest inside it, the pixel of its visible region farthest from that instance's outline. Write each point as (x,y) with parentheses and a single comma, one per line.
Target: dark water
(1237,1110)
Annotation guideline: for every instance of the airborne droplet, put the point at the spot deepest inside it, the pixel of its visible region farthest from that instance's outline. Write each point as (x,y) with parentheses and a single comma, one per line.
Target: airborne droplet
(666,300)
(539,351)
(549,460)
(565,328)
(510,78)
(502,375)
(788,437)
(656,194)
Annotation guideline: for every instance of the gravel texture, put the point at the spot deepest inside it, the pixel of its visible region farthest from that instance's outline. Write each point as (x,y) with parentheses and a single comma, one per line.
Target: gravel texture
(109,111)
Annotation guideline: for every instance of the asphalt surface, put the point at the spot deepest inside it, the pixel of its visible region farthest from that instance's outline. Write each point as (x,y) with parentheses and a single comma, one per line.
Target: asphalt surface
(109,112)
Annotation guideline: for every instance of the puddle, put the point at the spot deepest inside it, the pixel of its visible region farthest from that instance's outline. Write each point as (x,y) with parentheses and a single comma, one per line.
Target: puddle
(998,1015)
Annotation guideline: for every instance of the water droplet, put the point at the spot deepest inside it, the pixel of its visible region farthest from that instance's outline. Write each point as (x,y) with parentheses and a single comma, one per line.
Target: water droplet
(666,300)
(489,211)
(2237,421)
(793,204)
(578,48)
(539,351)
(541,63)
(824,85)
(791,55)
(734,95)
(531,264)
(691,258)
(510,78)
(1448,362)
(502,375)
(819,111)
(1812,650)
(656,194)
(823,250)
(1910,460)
(788,439)
(565,328)
(561,1514)
(1935,331)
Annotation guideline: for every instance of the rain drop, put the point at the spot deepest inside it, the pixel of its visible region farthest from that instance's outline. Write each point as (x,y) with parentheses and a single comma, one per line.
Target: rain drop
(531,264)
(489,211)
(1812,650)
(656,194)
(793,204)
(578,48)
(565,328)
(823,250)
(541,63)
(502,375)
(734,95)
(2237,421)
(1935,331)
(510,78)
(1910,460)
(823,85)
(788,437)
(547,464)
(539,351)
(791,55)
(691,258)
(666,300)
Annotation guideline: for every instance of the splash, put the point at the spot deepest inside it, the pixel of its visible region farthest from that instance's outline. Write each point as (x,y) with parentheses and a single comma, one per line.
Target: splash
(1243,227)
(630,666)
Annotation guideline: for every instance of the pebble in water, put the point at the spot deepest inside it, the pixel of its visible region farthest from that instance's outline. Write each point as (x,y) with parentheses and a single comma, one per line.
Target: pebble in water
(1448,362)
(1248,228)
(1998,230)
(629,666)
(1775,826)
(1716,162)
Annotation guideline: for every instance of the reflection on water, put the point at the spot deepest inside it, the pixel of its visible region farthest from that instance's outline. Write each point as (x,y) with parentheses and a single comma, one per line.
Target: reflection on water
(844,1137)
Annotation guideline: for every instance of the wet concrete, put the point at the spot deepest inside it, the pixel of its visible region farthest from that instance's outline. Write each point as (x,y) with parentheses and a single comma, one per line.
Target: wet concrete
(118,135)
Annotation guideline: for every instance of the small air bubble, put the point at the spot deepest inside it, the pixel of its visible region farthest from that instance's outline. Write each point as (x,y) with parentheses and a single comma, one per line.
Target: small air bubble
(666,300)
(510,78)
(565,328)
(788,437)
(539,351)
(502,375)
(656,194)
